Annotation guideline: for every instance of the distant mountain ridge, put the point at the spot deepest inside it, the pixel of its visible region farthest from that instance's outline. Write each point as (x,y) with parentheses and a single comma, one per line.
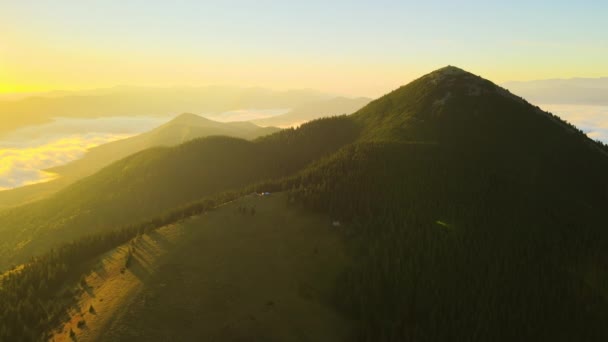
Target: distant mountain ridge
(181,129)
(180,174)
(581,91)
(315,110)
(131,101)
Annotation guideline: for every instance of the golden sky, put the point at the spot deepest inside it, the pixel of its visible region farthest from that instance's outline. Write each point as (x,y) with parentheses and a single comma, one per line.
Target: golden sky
(353,48)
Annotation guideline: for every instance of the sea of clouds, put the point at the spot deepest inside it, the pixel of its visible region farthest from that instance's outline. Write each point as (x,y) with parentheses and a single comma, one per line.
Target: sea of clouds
(27,152)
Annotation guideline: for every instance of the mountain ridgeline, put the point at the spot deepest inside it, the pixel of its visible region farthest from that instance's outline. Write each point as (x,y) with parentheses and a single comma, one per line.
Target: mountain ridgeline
(473,215)
(128,101)
(479,217)
(156,180)
(181,129)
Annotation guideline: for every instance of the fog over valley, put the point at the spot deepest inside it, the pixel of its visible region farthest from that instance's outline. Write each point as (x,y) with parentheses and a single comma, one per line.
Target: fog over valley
(26,152)
(592,119)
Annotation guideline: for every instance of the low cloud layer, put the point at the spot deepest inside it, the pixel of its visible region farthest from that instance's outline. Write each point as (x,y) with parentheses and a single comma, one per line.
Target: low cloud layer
(593,120)
(26,164)
(27,152)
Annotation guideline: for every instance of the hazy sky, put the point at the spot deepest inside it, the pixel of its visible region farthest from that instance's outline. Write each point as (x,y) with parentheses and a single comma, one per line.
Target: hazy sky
(348,47)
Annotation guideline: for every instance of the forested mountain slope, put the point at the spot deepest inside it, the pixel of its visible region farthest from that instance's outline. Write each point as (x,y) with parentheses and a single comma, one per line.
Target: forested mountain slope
(155,180)
(448,108)
(478,216)
(472,215)
(450,247)
(183,128)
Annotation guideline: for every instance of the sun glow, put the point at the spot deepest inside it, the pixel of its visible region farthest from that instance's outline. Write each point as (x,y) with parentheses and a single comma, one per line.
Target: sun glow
(16,89)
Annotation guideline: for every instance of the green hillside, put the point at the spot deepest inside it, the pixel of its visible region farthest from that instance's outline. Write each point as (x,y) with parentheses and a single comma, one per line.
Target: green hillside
(158,179)
(183,128)
(473,215)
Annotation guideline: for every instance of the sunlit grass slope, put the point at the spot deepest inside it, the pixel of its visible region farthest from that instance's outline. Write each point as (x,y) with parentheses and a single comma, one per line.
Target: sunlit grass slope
(225,275)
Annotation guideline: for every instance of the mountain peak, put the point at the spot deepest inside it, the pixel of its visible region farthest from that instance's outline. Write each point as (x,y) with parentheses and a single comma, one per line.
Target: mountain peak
(187,117)
(449,74)
(450,70)
(444,103)
(455,81)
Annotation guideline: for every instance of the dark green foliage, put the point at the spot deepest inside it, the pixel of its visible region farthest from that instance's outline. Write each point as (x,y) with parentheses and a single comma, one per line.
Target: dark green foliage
(129,258)
(604,146)
(458,251)
(183,128)
(481,219)
(29,304)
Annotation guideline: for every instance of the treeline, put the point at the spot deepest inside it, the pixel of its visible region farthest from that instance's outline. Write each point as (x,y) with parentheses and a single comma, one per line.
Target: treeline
(35,299)
(451,248)
(574,128)
(603,145)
